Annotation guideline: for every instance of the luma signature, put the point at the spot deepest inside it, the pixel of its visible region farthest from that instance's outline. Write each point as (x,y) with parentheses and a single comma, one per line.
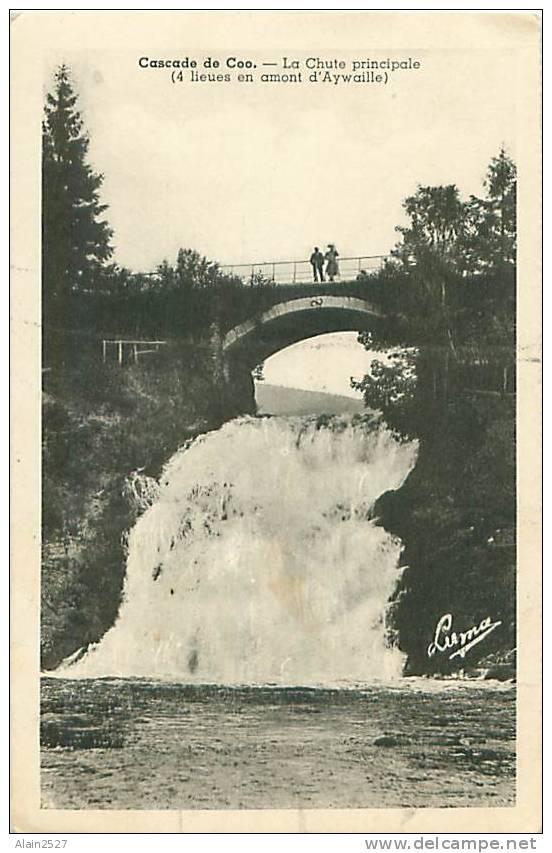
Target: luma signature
(446,639)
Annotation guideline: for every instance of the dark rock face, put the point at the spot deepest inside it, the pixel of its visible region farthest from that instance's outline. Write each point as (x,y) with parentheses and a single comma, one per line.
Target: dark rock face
(238,397)
(501,672)
(78,732)
(455,515)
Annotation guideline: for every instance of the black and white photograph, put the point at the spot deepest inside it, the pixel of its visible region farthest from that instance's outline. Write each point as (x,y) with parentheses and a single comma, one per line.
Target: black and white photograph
(279,352)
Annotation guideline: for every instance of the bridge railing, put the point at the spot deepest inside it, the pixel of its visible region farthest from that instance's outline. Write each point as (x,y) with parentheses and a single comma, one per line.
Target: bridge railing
(301,272)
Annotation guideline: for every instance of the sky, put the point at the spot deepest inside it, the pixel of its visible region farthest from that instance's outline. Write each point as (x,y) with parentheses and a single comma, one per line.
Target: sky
(261,172)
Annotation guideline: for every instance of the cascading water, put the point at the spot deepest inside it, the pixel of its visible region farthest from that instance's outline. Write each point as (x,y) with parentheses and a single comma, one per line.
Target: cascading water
(258,561)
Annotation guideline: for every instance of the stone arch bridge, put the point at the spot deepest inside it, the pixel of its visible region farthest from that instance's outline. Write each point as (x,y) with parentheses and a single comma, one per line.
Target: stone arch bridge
(287,322)
(248,344)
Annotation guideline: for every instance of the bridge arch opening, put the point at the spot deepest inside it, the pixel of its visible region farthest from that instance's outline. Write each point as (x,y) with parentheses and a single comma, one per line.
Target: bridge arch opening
(313,376)
(294,321)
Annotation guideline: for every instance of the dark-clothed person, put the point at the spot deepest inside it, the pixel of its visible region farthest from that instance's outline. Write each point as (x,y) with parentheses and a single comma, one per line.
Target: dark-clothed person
(317,263)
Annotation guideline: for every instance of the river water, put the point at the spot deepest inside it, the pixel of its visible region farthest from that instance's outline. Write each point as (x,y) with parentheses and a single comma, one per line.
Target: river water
(251,665)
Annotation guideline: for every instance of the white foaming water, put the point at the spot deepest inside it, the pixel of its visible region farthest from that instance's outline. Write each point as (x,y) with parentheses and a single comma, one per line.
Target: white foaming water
(257,561)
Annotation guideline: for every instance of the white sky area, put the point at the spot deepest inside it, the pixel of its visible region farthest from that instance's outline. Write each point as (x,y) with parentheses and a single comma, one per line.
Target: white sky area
(325,363)
(258,172)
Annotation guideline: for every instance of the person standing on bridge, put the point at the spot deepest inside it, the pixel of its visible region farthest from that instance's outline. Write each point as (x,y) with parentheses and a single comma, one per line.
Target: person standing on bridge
(317,263)
(332,267)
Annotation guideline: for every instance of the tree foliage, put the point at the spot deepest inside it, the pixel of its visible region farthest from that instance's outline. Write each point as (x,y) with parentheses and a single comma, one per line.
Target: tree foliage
(476,235)
(390,387)
(452,289)
(490,241)
(436,228)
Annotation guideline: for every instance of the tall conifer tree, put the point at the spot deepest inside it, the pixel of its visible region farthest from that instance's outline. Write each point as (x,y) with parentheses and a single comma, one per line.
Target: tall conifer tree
(75,237)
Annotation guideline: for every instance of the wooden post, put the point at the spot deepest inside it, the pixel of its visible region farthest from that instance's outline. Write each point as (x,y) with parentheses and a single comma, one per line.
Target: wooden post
(217,357)
(294,272)
(104,347)
(135,351)
(120,356)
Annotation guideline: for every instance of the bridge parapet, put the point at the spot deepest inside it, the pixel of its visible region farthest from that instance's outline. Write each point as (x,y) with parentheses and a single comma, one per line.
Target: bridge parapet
(300,272)
(329,313)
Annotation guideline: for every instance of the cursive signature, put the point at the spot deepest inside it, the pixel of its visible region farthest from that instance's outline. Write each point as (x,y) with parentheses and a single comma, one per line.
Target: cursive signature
(446,639)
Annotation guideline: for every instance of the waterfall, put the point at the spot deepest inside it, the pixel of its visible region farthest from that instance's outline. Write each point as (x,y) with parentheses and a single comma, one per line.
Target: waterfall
(258,560)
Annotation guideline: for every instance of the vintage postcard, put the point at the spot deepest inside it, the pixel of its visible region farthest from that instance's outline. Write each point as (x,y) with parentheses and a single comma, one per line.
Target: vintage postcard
(276,421)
